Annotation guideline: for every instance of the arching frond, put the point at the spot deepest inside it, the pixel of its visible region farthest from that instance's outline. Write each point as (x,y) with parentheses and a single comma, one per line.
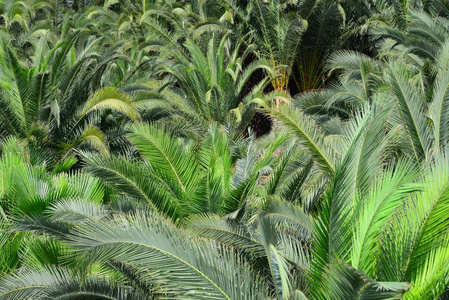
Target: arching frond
(180,271)
(61,283)
(110,98)
(311,136)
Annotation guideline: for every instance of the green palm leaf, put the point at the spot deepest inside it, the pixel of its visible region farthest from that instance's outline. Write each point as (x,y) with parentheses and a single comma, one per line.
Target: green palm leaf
(149,242)
(412,110)
(110,98)
(311,136)
(61,283)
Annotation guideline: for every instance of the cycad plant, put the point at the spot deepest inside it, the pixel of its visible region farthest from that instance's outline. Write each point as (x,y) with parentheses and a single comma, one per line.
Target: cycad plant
(178,177)
(50,103)
(279,32)
(129,168)
(211,84)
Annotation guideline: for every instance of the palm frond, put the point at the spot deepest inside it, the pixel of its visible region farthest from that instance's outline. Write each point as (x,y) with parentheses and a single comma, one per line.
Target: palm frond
(110,98)
(136,181)
(412,110)
(311,136)
(151,243)
(168,157)
(61,283)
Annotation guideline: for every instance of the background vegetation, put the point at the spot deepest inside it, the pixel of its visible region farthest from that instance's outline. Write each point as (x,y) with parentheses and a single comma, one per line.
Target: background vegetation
(224,149)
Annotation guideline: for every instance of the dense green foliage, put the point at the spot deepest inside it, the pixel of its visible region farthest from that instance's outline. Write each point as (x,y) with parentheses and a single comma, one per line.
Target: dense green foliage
(224,149)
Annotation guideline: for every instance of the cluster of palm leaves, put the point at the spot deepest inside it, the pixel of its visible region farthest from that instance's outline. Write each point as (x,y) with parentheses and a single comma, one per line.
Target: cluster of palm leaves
(224,149)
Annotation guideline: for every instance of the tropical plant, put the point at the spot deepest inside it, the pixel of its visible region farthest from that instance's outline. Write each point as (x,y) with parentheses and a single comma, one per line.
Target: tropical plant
(212,85)
(178,177)
(278,29)
(38,102)
(132,167)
